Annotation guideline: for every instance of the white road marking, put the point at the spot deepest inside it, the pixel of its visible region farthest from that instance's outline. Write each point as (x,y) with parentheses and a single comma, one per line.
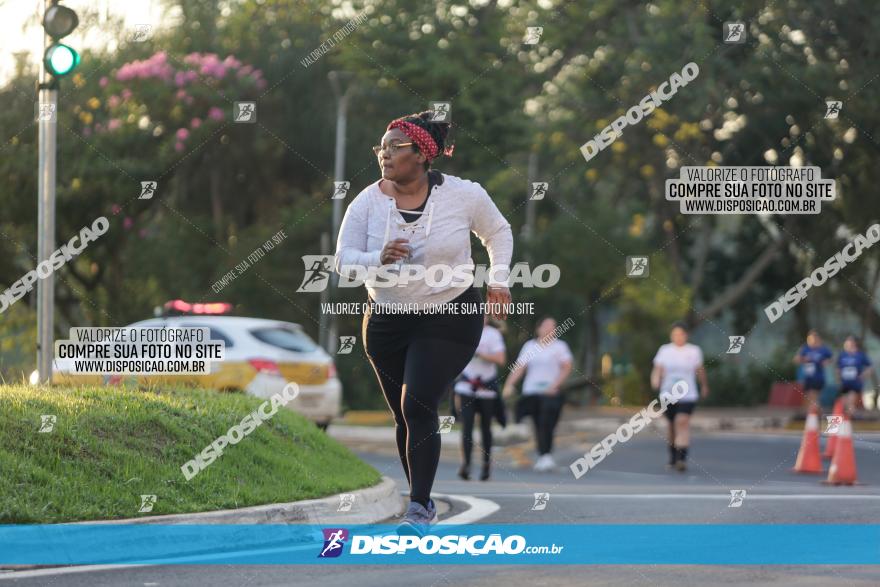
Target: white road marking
(479,509)
(685,496)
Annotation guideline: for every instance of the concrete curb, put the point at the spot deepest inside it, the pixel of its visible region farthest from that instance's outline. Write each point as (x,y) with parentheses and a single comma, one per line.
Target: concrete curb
(370,505)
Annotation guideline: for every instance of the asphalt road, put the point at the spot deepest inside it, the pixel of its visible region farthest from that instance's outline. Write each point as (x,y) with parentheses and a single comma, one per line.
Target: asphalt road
(631,486)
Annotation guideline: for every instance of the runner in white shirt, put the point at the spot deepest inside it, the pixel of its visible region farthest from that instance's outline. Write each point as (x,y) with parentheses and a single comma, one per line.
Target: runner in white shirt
(546,362)
(679,361)
(476,392)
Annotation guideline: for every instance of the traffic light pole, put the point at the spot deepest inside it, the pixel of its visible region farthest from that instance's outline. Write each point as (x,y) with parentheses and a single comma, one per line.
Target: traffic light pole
(338,79)
(47,112)
(338,175)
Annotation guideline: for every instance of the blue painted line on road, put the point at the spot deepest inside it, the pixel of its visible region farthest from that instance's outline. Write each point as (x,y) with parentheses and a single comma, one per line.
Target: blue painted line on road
(584,544)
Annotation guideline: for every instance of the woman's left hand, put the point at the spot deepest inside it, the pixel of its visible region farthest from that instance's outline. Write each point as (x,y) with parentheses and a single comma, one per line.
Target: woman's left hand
(498,294)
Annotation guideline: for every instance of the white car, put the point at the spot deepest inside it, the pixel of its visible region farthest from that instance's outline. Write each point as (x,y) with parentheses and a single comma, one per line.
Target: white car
(261,357)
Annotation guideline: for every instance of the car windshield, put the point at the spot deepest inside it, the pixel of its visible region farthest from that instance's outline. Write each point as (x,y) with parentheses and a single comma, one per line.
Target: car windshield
(285,338)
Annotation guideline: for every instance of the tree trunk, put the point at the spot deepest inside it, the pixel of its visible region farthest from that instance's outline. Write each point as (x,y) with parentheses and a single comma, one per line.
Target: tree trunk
(591,365)
(869,302)
(216,204)
(734,292)
(698,271)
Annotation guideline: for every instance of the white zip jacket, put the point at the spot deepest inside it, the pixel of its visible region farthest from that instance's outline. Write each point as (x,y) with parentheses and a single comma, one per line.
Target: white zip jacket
(441,235)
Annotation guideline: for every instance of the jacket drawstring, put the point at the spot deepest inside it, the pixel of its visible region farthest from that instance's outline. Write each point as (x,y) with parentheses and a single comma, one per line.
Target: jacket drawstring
(430,217)
(388,219)
(392,205)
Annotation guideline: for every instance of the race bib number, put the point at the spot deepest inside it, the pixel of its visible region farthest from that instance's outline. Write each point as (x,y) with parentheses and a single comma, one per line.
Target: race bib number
(850,373)
(809,369)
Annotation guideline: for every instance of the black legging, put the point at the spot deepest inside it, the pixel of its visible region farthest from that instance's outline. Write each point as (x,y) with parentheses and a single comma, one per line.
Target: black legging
(416,358)
(468,407)
(545,411)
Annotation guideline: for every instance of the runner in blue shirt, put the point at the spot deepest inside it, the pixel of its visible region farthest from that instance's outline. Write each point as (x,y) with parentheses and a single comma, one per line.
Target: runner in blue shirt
(853,367)
(812,357)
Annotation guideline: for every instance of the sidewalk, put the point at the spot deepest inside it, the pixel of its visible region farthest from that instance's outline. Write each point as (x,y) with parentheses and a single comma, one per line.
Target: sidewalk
(376,426)
(373,431)
(708,419)
(368,506)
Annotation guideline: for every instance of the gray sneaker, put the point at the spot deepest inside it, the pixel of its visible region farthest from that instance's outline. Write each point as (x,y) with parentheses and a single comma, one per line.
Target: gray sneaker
(432,511)
(418,519)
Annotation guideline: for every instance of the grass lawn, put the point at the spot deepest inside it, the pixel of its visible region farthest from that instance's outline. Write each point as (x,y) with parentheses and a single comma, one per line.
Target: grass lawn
(110,445)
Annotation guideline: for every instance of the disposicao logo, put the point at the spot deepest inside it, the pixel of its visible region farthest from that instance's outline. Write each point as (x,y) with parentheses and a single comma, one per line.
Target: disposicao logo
(334,541)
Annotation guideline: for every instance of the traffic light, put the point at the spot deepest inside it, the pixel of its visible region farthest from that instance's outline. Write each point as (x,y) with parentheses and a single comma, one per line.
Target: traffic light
(58,22)
(61,59)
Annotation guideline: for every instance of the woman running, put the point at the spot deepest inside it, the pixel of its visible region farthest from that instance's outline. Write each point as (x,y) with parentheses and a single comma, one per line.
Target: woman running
(853,368)
(417,355)
(812,357)
(546,363)
(476,392)
(677,361)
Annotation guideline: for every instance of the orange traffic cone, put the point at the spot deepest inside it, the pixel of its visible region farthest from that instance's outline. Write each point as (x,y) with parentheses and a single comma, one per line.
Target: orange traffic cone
(843,464)
(808,459)
(832,438)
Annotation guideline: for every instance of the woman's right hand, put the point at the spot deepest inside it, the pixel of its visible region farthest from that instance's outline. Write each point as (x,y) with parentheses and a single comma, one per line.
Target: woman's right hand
(508,390)
(394,250)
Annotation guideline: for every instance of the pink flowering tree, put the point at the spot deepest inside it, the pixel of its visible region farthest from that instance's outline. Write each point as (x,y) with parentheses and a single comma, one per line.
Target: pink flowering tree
(201,84)
(177,115)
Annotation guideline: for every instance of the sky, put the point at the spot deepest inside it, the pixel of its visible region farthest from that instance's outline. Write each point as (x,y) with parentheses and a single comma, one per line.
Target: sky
(21,28)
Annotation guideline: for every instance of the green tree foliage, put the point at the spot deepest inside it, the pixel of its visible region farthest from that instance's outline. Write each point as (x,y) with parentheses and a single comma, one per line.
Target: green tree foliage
(224,188)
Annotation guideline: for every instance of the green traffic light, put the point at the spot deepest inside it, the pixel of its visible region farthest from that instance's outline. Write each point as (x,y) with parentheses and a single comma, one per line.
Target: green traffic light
(61,59)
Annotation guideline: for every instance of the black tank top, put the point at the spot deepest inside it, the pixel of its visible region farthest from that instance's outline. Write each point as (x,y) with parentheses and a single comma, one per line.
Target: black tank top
(435,178)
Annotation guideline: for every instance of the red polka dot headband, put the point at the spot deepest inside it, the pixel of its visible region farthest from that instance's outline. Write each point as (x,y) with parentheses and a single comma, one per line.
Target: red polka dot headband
(420,137)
